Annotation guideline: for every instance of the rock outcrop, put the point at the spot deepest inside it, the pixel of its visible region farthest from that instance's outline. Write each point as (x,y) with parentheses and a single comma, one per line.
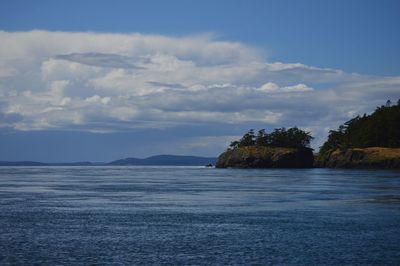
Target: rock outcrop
(266,157)
(374,157)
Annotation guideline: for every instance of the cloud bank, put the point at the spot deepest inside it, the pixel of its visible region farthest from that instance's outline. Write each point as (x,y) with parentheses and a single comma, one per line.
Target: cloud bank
(120,82)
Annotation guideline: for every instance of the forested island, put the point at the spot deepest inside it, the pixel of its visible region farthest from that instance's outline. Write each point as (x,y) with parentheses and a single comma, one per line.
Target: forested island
(282,148)
(368,141)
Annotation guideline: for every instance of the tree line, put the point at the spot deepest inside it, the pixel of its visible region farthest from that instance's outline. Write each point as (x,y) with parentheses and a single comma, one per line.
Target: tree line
(280,137)
(380,129)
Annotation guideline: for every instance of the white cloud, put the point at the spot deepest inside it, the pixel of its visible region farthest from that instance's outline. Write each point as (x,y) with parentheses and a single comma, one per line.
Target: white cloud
(274,88)
(98,99)
(111,82)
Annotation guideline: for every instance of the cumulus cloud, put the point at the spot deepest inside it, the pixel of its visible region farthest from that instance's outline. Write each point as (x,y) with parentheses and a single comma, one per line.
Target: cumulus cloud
(111,82)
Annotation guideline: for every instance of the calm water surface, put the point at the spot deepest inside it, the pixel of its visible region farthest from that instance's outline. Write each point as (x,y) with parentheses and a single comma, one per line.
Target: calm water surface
(189,215)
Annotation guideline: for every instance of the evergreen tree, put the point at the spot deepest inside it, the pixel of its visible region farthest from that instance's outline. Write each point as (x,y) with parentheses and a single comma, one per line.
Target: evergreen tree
(280,137)
(248,139)
(262,138)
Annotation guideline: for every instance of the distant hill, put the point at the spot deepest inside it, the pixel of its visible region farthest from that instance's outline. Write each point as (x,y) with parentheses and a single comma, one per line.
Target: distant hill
(32,163)
(176,160)
(21,163)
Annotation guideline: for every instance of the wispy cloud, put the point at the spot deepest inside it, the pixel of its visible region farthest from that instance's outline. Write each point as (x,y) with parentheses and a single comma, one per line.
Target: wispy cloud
(100,60)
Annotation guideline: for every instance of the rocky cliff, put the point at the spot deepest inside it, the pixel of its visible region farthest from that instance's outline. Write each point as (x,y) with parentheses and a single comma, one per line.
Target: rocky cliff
(266,157)
(374,157)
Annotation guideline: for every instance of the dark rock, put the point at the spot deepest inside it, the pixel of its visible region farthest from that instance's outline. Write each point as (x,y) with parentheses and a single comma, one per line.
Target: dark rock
(266,157)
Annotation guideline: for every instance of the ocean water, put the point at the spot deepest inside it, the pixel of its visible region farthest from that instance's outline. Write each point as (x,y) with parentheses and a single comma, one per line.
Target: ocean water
(198,216)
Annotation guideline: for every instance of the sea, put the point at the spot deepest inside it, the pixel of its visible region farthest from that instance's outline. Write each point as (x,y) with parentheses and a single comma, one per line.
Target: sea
(198,216)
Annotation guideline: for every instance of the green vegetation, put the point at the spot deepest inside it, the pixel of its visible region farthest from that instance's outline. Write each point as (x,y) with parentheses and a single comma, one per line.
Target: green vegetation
(380,129)
(280,137)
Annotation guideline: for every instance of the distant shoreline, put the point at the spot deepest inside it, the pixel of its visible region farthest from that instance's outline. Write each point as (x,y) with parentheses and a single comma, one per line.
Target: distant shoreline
(157,160)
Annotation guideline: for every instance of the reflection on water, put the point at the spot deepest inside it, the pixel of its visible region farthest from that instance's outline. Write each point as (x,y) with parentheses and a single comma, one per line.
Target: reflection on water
(193,215)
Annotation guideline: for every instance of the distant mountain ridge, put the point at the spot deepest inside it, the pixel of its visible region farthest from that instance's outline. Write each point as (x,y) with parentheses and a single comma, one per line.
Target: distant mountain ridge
(33,163)
(172,160)
(21,163)
(176,160)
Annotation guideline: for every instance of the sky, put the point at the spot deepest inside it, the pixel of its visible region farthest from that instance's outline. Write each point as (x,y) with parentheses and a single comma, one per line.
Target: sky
(103,80)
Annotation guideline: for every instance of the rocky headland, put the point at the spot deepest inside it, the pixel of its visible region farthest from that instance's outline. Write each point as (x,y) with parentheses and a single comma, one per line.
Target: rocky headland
(368,141)
(266,157)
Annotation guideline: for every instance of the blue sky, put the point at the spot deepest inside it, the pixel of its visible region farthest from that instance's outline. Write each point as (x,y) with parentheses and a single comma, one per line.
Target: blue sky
(101,80)
(356,36)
